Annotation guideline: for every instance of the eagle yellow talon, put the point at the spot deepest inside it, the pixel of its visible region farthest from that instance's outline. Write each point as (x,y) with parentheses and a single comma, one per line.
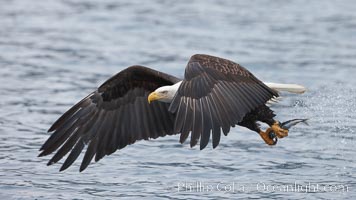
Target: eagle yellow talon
(280,132)
(268,137)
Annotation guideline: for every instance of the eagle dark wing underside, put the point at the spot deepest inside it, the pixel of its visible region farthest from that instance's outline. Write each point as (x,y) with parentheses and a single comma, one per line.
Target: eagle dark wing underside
(215,94)
(115,115)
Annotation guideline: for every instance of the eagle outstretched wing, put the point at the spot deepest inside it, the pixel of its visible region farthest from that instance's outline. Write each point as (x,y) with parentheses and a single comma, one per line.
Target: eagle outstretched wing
(215,94)
(115,115)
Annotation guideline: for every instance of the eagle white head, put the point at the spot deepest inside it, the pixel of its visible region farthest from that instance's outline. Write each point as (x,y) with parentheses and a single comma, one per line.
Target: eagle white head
(164,93)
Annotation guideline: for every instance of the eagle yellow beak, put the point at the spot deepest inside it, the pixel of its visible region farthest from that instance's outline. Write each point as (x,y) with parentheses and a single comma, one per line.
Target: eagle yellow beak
(153,97)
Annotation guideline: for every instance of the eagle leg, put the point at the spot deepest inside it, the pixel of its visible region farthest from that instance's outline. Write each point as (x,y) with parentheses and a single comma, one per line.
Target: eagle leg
(276,128)
(269,137)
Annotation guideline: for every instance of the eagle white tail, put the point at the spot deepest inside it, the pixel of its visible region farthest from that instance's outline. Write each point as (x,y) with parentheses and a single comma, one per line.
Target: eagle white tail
(293,88)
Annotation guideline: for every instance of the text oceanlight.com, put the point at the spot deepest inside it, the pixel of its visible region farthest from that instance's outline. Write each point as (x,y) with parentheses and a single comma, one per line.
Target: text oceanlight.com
(235,187)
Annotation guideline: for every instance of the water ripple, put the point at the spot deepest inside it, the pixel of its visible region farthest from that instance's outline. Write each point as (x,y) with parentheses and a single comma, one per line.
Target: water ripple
(53,53)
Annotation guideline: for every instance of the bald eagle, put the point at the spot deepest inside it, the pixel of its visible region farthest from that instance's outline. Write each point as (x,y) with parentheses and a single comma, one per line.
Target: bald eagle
(142,103)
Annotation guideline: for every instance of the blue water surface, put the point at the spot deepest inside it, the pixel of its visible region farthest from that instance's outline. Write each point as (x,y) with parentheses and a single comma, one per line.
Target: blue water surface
(53,53)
